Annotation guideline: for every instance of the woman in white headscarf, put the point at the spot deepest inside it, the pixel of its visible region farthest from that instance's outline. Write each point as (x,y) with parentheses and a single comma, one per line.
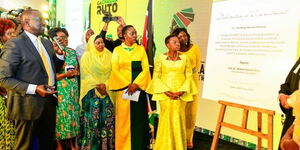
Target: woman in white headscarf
(81,48)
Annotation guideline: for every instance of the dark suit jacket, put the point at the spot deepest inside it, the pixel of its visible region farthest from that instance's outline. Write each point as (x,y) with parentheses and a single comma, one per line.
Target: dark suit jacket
(288,87)
(110,45)
(291,83)
(21,65)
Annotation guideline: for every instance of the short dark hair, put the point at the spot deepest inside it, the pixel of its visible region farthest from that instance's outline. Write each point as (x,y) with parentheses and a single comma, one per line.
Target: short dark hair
(176,31)
(52,32)
(125,28)
(167,39)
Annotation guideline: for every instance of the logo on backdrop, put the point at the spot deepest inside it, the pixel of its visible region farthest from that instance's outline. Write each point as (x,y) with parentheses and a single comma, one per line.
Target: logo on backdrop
(108,6)
(182,19)
(106,9)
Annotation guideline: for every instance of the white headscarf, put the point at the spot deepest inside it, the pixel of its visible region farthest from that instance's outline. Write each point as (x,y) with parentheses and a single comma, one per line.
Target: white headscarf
(80,49)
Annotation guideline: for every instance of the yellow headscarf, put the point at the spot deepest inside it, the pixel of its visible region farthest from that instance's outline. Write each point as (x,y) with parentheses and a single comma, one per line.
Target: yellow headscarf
(95,68)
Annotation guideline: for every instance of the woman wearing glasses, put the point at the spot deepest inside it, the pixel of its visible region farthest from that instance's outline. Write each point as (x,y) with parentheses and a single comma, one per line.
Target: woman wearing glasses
(67,111)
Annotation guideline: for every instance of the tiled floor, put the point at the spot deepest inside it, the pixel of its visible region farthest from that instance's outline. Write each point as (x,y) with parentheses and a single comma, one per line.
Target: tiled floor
(203,142)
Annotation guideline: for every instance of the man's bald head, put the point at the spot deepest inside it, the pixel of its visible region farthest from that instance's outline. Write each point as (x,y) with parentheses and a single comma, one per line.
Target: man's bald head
(27,14)
(32,21)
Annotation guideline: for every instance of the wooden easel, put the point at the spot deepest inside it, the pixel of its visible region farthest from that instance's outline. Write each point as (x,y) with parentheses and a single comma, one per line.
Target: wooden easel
(243,127)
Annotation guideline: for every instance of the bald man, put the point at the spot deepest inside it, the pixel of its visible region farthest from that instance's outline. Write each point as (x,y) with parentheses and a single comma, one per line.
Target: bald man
(27,70)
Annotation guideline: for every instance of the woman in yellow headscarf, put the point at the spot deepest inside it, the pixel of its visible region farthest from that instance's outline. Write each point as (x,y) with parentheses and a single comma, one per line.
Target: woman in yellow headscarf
(97,123)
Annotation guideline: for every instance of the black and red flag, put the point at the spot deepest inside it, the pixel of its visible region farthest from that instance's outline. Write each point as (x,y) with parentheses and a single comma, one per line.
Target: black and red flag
(148,38)
(149,45)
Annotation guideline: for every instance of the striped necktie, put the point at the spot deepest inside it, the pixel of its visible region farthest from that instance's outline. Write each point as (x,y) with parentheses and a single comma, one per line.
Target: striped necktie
(45,62)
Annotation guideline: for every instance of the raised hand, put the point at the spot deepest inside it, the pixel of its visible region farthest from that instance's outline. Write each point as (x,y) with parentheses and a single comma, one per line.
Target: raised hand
(121,21)
(57,49)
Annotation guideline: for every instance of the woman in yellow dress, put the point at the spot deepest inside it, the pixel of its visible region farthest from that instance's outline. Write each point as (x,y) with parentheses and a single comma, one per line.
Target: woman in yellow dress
(193,52)
(172,86)
(130,70)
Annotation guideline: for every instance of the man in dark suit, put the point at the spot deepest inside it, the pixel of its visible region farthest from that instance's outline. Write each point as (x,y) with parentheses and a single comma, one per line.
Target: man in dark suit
(27,71)
(291,84)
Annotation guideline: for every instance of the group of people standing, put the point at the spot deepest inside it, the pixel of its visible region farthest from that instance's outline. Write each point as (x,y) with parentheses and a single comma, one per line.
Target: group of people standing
(77,97)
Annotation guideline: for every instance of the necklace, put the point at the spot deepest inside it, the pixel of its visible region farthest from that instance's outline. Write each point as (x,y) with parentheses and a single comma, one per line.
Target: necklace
(173,59)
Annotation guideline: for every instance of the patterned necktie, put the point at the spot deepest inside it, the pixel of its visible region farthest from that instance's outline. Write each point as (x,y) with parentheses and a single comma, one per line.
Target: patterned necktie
(45,62)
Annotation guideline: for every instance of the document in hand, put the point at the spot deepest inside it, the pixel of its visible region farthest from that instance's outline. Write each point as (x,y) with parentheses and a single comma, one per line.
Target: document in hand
(133,97)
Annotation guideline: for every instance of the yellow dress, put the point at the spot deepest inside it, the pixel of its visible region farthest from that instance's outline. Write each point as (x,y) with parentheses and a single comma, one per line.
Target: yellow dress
(191,108)
(172,76)
(130,65)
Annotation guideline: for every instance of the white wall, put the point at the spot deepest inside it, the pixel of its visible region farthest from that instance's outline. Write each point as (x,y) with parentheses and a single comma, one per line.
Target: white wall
(15,4)
(74,21)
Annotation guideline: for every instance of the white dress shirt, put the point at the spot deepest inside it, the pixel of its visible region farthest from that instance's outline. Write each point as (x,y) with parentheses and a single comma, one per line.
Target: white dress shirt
(32,87)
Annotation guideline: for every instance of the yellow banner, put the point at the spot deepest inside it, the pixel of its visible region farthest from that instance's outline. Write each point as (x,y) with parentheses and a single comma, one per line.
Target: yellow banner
(101,7)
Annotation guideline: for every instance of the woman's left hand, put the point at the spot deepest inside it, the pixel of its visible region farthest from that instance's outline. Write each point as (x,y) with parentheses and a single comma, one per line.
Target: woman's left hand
(132,88)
